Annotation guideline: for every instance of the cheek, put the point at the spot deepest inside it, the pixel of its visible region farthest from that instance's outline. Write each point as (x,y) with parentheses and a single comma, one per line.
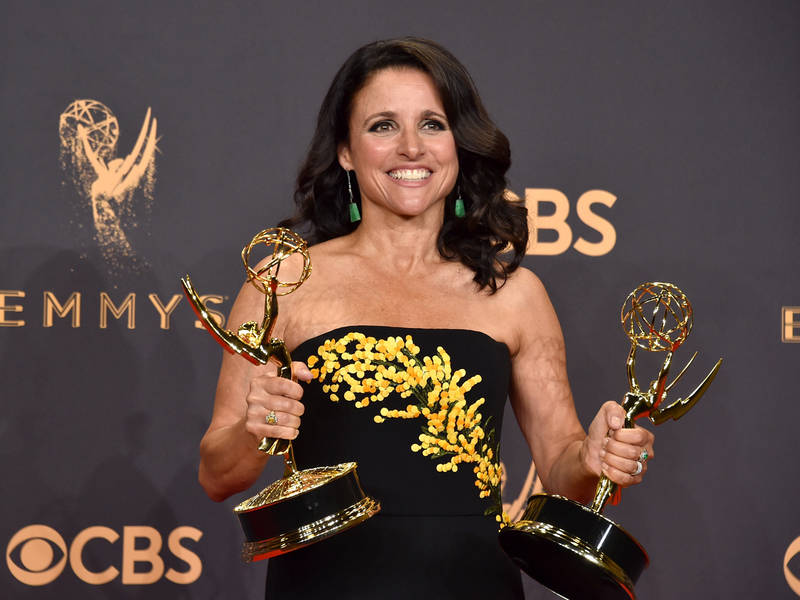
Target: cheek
(370,156)
(450,162)
(447,153)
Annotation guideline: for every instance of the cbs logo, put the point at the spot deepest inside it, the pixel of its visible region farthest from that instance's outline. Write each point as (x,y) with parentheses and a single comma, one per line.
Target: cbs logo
(792,551)
(790,324)
(554,220)
(37,554)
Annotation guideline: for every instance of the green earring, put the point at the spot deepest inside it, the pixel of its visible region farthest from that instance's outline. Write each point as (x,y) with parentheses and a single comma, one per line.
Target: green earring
(355,215)
(459,205)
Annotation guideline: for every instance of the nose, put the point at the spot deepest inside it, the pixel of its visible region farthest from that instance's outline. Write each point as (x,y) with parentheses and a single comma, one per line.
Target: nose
(411,145)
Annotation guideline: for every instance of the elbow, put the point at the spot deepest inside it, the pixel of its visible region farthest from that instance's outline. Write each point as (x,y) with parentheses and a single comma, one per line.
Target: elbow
(211,487)
(214,495)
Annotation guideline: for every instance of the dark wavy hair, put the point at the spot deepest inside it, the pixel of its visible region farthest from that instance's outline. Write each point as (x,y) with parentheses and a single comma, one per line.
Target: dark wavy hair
(492,237)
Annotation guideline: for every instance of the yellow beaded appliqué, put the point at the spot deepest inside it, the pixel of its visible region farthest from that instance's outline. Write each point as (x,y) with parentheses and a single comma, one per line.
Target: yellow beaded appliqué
(367,370)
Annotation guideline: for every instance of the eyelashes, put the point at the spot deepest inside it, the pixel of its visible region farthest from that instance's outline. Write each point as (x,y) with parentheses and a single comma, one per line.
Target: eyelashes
(434,124)
(381,127)
(387,126)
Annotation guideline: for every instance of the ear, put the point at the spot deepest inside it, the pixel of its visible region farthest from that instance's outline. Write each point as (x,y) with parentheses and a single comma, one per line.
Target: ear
(343,154)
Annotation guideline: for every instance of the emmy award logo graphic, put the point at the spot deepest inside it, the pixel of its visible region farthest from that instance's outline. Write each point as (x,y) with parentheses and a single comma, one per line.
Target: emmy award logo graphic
(89,132)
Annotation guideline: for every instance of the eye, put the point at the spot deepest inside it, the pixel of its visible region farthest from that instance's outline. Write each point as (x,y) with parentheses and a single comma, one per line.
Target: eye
(433,125)
(382,127)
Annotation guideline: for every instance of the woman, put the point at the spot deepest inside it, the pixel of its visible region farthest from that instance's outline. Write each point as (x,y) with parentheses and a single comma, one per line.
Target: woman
(417,318)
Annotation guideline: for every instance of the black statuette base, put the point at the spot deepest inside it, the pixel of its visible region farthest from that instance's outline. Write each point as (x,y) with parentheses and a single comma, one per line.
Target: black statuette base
(574,551)
(326,501)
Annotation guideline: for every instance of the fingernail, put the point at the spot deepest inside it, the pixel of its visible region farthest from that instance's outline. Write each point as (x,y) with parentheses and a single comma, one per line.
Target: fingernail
(605,441)
(604,468)
(602,454)
(616,422)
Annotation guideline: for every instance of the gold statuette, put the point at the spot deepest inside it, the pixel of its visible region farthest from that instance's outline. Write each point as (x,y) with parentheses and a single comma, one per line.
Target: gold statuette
(571,548)
(305,506)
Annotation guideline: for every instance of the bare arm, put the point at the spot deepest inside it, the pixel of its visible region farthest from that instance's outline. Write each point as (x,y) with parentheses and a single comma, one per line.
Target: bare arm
(568,461)
(229,459)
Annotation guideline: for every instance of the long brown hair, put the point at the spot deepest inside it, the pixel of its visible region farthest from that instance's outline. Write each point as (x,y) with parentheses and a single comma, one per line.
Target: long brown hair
(492,236)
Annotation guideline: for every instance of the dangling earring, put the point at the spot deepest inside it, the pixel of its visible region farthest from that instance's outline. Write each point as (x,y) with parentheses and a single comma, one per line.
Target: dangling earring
(355,215)
(459,205)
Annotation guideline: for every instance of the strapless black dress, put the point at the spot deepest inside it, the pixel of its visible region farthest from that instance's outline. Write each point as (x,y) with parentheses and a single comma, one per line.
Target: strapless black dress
(433,537)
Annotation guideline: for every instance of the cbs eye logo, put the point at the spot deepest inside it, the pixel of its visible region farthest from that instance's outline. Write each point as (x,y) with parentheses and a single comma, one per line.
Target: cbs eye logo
(37,555)
(36,549)
(792,551)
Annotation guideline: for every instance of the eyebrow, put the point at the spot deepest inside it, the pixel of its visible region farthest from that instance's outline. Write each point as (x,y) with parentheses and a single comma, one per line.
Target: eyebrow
(390,114)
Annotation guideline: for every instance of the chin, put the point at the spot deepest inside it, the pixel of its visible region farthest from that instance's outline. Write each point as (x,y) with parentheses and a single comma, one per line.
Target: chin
(413,211)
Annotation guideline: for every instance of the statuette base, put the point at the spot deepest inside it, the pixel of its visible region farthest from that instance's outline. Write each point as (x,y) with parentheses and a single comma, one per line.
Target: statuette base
(323,500)
(575,552)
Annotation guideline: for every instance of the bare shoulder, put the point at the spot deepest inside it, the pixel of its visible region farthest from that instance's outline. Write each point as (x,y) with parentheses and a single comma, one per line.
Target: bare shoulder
(524,293)
(523,283)
(527,305)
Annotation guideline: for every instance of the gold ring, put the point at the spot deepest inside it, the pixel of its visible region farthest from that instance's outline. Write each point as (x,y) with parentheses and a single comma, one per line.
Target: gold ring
(272,419)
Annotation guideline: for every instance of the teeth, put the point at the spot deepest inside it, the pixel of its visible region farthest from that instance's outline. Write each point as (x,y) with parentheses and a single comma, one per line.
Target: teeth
(410,174)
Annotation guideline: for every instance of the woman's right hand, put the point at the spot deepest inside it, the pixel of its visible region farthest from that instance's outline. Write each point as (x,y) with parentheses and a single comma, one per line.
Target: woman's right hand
(268,394)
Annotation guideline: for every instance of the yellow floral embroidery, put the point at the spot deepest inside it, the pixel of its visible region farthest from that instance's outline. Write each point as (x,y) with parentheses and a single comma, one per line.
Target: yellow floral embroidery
(369,369)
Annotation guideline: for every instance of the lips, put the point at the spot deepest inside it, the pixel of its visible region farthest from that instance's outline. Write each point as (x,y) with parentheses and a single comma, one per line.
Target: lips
(410,174)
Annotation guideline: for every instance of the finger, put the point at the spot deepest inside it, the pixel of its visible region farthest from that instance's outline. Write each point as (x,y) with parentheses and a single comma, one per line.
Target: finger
(622,464)
(276,386)
(614,414)
(301,371)
(622,450)
(257,407)
(635,448)
(262,430)
(629,451)
(601,426)
(257,403)
(636,436)
(622,476)
(270,369)
(283,419)
(263,422)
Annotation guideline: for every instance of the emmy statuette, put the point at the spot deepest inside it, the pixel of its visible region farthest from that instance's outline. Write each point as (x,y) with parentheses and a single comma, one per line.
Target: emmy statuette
(305,506)
(571,548)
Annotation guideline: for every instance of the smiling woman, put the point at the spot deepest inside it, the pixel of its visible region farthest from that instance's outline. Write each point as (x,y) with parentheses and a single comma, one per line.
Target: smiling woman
(415,328)
(401,146)
(490,224)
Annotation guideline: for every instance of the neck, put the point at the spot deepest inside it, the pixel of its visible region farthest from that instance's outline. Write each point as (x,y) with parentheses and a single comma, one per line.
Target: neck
(403,244)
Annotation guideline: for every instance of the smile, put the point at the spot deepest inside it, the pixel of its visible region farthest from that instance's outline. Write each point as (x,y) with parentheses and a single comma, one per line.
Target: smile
(410,174)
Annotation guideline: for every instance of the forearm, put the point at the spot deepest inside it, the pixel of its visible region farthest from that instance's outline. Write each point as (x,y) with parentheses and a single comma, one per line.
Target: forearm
(570,475)
(229,461)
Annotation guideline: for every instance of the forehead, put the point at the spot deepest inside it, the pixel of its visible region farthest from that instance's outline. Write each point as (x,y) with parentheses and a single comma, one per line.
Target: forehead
(396,89)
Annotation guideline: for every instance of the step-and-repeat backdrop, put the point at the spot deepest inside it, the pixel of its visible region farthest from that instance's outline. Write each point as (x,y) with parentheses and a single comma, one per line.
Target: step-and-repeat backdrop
(146,140)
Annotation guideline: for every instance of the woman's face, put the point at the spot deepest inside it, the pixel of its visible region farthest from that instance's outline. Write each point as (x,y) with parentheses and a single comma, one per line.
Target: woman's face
(401,146)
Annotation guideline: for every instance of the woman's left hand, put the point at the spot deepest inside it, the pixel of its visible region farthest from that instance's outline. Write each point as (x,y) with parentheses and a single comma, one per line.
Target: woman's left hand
(618,453)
